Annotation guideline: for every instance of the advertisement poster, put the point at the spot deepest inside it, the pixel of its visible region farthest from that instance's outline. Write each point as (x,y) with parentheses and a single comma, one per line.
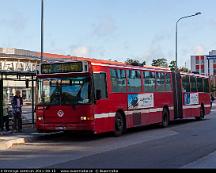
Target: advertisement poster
(139,101)
(191,98)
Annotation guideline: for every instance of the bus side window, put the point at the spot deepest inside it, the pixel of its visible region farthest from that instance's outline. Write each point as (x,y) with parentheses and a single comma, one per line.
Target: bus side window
(149,81)
(200,84)
(118,79)
(100,85)
(185,84)
(206,85)
(160,81)
(168,82)
(193,84)
(134,81)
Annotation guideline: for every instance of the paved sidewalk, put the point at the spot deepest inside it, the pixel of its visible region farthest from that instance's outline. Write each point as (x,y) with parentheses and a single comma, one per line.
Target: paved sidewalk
(8,139)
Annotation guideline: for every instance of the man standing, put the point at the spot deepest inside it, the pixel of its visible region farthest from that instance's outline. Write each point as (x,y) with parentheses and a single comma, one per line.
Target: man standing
(17,103)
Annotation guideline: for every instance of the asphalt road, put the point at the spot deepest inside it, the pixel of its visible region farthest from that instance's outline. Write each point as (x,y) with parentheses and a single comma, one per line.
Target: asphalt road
(179,145)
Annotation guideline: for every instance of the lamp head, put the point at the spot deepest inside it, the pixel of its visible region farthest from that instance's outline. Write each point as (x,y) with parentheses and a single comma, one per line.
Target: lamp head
(198,13)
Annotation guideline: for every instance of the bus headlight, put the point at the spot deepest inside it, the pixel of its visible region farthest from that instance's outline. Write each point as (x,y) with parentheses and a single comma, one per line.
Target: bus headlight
(86,118)
(40,118)
(83,118)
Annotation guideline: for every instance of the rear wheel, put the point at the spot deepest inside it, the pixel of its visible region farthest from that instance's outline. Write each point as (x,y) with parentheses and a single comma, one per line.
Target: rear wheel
(202,113)
(119,124)
(165,118)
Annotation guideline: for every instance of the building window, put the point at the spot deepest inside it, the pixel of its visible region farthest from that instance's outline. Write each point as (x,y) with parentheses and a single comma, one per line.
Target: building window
(149,81)
(118,79)
(214,71)
(199,61)
(134,81)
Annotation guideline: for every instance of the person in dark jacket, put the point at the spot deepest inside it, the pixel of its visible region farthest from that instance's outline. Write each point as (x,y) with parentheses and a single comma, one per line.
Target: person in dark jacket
(212,99)
(17,103)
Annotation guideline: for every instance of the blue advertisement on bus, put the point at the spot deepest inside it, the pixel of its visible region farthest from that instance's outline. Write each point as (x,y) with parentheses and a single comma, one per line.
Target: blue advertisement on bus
(191,98)
(139,101)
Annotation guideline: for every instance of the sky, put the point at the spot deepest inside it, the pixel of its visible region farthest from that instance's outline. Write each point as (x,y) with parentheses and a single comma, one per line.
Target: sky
(111,29)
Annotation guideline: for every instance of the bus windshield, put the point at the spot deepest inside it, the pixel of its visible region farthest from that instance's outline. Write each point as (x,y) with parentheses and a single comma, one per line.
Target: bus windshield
(64,91)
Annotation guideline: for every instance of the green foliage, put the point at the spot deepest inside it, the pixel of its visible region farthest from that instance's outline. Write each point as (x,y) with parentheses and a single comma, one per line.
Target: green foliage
(161,62)
(172,65)
(184,69)
(135,62)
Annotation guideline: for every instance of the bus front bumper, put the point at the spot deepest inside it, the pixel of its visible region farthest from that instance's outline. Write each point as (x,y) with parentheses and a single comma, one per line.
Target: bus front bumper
(87,126)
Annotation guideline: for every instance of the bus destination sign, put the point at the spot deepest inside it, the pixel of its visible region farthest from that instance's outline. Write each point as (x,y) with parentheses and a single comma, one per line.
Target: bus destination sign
(62,67)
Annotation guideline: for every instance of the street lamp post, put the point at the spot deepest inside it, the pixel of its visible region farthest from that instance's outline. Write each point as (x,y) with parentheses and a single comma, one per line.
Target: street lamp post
(176,53)
(42,28)
(177,109)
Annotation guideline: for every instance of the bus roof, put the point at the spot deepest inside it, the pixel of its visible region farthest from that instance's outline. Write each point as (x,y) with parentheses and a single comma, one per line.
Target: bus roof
(112,63)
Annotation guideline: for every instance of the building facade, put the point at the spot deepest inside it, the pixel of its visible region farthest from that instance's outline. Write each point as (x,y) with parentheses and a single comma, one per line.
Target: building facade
(19,60)
(204,64)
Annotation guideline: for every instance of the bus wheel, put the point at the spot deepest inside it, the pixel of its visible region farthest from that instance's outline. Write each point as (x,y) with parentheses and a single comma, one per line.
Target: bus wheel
(202,113)
(165,118)
(119,124)
(41,131)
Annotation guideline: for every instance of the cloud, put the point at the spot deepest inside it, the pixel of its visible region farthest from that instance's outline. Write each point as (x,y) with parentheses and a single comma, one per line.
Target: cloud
(156,49)
(81,51)
(154,52)
(17,22)
(105,27)
(199,50)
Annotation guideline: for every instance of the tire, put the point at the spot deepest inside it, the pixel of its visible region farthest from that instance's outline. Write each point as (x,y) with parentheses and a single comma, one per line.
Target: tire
(42,131)
(202,114)
(119,124)
(165,118)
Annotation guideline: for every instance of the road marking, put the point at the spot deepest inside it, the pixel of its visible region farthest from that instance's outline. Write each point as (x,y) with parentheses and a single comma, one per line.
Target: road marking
(208,161)
(77,150)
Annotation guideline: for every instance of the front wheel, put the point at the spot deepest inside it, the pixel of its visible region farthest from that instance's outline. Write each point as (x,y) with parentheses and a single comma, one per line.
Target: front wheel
(119,124)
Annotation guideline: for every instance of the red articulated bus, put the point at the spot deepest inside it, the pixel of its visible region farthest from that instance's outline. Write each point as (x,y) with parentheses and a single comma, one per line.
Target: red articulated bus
(102,97)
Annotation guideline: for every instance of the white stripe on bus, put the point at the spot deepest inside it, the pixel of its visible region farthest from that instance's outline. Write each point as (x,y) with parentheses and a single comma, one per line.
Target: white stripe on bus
(191,106)
(112,114)
(208,106)
(144,111)
(104,115)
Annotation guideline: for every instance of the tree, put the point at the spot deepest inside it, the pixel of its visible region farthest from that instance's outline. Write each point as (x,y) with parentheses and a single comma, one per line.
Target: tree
(135,62)
(184,69)
(161,62)
(172,65)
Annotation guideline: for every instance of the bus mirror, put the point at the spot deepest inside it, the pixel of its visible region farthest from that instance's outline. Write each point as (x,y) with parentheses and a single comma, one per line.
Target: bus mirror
(98,94)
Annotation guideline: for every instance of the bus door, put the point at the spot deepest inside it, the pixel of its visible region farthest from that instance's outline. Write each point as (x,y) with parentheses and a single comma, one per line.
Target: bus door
(177,94)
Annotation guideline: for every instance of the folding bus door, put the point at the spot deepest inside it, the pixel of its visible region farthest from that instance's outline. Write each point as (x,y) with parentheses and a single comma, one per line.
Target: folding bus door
(177,94)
